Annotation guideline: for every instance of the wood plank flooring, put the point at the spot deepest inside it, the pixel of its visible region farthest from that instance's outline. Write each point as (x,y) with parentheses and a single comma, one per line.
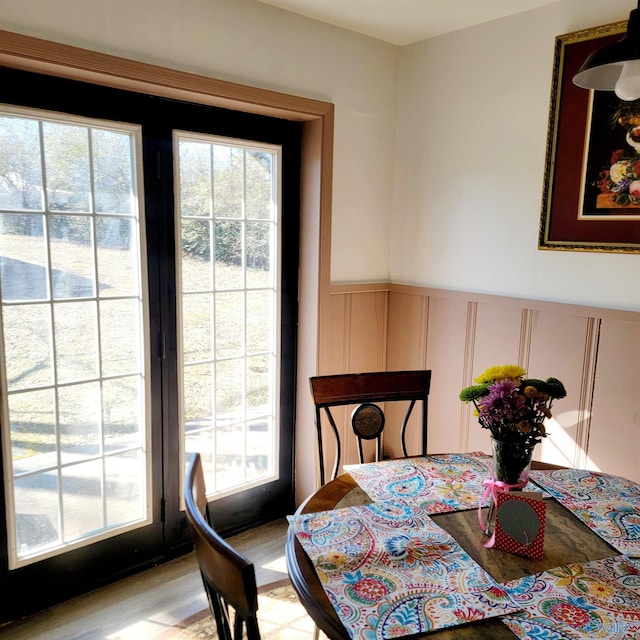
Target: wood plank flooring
(141,606)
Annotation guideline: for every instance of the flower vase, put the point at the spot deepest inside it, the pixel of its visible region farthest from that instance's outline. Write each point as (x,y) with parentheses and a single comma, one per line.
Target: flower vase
(511,462)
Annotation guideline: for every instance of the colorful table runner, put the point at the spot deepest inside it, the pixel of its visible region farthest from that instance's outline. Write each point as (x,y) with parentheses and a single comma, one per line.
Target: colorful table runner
(441,483)
(599,599)
(389,571)
(608,505)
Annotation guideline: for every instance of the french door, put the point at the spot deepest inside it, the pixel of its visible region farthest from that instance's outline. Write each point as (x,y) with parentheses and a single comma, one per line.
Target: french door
(148,274)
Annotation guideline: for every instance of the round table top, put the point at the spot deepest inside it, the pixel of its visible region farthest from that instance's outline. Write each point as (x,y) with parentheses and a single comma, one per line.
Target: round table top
(567,540)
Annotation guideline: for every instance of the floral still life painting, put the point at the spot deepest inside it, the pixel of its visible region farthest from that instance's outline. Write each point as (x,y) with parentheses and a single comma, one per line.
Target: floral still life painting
(612,185)
(591,191)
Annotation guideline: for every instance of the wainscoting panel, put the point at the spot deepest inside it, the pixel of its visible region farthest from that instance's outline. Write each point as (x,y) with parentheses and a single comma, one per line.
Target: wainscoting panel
(615,412)
(368,320)
(446,344)
(407,333)
(357,343)
(335,353)
(406,349)
(560,348)
(594,351)
(494,338)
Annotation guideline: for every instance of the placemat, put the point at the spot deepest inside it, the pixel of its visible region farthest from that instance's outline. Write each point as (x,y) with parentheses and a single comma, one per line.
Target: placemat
(389,571)
(581,484)
(440,483)
(608,505)
(599,599)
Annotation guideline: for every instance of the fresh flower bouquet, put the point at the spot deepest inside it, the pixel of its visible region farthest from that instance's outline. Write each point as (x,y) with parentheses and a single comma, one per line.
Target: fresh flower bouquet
(513,408)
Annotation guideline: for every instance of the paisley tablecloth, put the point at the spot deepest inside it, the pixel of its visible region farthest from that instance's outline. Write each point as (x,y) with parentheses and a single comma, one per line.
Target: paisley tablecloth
(389,571)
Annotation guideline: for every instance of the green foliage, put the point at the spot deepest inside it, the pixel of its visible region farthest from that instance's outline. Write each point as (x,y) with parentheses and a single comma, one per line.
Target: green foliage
(551,386)
(539,385)
(238,204)
(555,388)
(229,242)
(471,394)
(195,238)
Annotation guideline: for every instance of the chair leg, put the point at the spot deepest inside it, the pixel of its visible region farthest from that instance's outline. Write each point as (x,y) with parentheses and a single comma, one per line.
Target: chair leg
(220,613)
(253,633)
(238,625)
(316,632)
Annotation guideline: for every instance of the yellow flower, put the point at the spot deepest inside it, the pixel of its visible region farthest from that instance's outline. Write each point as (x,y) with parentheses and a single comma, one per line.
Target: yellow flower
(332,561)
(567,574)
(511,371)
(618,171)
(600,589)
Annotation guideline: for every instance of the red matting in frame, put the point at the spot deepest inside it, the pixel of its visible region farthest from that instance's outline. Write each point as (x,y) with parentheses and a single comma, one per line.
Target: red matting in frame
(561,227)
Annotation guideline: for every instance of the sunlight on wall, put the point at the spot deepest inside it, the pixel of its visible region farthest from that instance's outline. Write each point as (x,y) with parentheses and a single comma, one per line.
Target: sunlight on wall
(560,446)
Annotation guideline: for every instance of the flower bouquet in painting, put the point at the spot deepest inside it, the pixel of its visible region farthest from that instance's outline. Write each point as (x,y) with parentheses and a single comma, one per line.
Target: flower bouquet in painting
(618,181)
(513,408)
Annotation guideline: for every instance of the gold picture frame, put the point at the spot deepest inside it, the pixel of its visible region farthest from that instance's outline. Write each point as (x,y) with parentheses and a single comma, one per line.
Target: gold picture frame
(589,194)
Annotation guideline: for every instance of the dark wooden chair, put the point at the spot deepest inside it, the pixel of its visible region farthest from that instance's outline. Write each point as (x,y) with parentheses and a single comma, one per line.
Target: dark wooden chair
(229,578)
(368,391)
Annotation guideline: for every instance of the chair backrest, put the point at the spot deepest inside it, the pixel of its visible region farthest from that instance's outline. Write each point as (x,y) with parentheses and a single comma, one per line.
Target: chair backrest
(229,578)
(367,390)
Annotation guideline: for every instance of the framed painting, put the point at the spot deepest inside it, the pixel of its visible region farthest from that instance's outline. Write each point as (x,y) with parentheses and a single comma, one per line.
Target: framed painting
(591,193)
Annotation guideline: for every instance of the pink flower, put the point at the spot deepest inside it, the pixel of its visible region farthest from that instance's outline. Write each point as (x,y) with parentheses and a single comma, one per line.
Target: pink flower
(634,189)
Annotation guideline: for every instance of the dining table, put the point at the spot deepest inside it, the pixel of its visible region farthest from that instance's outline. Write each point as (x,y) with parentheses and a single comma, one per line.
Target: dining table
(324,558)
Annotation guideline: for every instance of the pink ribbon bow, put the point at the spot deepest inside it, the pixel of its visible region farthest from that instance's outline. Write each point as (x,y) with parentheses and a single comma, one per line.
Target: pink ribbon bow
(493,486)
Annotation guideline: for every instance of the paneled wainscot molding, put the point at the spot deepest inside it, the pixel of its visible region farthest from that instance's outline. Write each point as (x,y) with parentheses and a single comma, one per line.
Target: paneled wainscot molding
(594,351)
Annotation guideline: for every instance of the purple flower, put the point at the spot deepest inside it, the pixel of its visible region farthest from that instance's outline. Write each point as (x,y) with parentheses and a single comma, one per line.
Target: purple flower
(622,186)
(503,404)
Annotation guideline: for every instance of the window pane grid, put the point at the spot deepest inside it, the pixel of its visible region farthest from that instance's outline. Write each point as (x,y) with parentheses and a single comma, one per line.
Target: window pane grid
(71,283)
(234,430)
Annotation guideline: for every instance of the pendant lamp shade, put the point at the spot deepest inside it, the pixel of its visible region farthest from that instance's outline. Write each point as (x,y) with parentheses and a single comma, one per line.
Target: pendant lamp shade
(615,67)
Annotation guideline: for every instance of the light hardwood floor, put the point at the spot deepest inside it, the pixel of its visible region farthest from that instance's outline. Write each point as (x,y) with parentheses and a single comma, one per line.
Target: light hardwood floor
(143,605)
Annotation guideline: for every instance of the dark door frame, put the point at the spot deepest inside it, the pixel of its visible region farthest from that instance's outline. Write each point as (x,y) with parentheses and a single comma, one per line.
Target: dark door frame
(73,572)
(20,51)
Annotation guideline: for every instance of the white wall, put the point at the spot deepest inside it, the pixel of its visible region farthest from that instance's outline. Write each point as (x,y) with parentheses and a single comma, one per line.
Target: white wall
(254,44)
(471,131)
(472,128)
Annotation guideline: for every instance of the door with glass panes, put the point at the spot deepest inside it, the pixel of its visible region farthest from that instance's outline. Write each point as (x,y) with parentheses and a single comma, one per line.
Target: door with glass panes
(148,265)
